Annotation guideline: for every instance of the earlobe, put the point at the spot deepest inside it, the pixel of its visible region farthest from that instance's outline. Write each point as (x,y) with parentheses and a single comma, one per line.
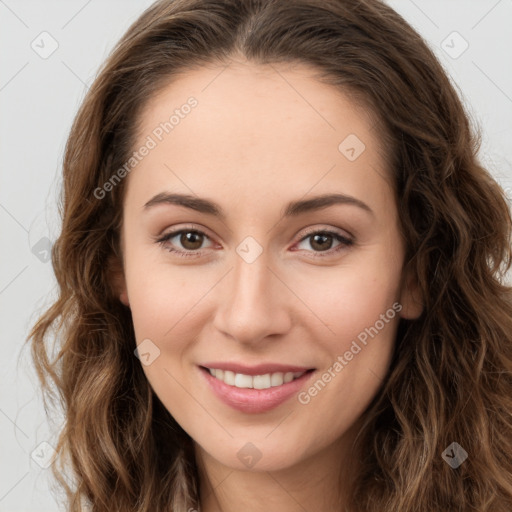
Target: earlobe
(123,297)
(410,298)
(118,281)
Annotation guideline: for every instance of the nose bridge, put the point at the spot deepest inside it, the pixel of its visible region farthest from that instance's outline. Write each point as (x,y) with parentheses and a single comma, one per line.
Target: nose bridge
(253,305)
(251,279)
(250,287)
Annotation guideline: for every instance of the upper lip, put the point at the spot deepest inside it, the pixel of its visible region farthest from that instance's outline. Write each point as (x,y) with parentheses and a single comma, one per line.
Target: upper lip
(259,369)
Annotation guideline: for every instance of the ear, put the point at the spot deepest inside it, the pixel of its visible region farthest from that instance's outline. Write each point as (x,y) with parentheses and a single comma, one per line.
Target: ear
(117,279)
(410,296)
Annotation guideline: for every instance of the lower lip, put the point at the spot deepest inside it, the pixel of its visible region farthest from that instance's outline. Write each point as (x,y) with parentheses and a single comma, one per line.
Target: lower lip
(250,400)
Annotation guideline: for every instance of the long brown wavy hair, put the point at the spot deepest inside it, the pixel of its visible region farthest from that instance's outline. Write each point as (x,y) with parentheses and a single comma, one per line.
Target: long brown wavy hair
(451,375)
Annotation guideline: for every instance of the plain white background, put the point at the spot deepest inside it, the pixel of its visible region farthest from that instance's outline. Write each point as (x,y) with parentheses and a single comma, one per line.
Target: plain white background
(39,96)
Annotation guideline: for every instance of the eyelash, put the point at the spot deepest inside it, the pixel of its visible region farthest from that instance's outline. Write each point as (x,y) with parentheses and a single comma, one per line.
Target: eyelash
(344,242)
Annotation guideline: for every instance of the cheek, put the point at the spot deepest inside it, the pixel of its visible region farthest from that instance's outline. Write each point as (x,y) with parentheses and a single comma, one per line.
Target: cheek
(349,298)
(163,301)
(169,302)
(168,308)
(363,314)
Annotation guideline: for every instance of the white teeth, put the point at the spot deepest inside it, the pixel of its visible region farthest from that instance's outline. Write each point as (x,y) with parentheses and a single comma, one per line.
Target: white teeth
(266,381)
(243,381)
(261,381)
(276,379)
(229,377)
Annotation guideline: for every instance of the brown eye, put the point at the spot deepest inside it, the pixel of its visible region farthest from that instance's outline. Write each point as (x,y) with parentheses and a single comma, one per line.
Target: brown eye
(321,241)
(191,240)
(184,242)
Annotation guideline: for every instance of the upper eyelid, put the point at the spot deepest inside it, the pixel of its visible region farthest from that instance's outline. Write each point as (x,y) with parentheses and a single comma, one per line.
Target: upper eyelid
(335,231)
(174,232)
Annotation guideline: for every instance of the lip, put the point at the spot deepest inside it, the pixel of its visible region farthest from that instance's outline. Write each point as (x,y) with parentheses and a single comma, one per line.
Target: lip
(259,369)
(250,400)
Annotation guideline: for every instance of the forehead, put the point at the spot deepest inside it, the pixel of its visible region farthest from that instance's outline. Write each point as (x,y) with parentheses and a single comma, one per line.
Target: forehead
(258,130)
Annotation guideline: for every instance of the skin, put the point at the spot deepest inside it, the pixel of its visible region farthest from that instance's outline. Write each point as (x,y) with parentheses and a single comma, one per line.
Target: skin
(262,136)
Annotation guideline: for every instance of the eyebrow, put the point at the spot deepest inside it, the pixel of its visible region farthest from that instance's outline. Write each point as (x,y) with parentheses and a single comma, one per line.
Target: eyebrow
(293,209)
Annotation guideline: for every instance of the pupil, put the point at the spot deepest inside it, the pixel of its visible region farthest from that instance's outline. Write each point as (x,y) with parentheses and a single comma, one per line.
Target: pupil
(324,238)
(189,238)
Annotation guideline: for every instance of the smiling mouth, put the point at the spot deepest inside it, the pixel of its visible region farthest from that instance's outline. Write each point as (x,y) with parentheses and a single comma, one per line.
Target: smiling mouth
(264,381)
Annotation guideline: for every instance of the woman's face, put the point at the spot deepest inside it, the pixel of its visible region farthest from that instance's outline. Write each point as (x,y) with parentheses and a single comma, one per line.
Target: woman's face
(265,278)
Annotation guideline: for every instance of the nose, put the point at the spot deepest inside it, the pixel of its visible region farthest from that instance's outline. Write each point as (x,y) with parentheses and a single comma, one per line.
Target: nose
(254,303)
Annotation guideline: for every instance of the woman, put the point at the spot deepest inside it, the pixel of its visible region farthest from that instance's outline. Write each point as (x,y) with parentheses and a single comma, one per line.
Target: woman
(281,272)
